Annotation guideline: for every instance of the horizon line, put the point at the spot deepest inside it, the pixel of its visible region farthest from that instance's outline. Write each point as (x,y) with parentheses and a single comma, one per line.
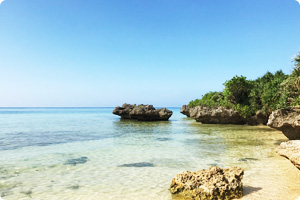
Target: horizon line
(73,106)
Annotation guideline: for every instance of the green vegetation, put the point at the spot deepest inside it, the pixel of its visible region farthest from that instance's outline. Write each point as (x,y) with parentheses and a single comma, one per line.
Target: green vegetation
(211,100)
(266,93)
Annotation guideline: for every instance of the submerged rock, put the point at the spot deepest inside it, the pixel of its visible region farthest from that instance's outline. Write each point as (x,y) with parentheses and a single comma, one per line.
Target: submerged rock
(163,139)
(287,121)
(142,112)
(290,150)
(213,183)
(247,159)
(27,192)
(221,115)
(76,161)
(140,164)
(74,187)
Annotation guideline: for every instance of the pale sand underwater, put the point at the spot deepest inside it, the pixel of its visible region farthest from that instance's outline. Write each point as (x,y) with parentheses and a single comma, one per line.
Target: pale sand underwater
(90,154)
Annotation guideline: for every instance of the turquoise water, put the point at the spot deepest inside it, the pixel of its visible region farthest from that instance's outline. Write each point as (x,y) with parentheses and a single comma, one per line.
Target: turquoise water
(89,153)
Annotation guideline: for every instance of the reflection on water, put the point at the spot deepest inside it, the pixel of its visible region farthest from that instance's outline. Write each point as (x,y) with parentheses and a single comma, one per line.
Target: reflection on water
(125,126)
(92,154)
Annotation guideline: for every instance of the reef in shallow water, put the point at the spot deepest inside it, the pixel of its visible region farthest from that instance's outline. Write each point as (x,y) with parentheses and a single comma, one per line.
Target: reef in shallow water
(76,161)
(140,164)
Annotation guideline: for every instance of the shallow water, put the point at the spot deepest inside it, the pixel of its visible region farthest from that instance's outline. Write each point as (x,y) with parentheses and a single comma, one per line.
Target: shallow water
(89,153)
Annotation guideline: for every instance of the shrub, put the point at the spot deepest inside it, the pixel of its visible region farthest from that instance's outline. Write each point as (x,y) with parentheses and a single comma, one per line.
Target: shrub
(291,86)
(237,90)
(266,93)
(211,100)
(244,110)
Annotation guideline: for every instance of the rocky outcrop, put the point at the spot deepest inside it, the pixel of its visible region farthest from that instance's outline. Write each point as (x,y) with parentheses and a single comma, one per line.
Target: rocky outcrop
(287,121)
(142,112)
(290,150)
(218,115)
(221,115)
(213,183)
(185,110)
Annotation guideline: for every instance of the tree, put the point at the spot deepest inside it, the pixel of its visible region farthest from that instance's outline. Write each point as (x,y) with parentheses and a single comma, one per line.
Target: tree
(237,90)
(291,87)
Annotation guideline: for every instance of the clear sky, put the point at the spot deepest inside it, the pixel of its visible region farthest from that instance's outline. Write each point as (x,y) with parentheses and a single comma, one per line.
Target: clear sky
(160,52)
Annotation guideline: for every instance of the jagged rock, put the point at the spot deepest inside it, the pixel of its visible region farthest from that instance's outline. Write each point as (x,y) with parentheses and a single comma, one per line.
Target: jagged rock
(221,115)
(142,112)
(290,150)
(185,110)
(218,115)
(214,183)
(287,121)
(124,110)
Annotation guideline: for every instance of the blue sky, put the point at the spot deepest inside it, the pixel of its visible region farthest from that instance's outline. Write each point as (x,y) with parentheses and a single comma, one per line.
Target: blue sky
(160,52)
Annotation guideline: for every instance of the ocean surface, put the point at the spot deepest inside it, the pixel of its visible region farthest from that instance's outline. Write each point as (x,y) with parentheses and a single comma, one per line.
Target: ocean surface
(89,153)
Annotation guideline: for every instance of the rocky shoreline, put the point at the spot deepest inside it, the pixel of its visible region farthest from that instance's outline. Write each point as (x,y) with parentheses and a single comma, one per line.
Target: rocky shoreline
(285,120)
(288,122)
(290,150)
(221,115)
(217,183)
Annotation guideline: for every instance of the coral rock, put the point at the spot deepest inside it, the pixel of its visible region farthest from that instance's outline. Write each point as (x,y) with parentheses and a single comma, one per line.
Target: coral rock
(213,183)
(287,121)
(221,115)
(142,112)
(290,150)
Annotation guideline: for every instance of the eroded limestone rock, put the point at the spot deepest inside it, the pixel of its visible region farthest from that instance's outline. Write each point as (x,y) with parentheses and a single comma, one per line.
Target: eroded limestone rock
(287,121)
(185,109)
(221,115)
(211,184)
(142,112)
(290,150)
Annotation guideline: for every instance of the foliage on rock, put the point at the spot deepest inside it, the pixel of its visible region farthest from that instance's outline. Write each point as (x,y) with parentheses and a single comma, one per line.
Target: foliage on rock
(267,93)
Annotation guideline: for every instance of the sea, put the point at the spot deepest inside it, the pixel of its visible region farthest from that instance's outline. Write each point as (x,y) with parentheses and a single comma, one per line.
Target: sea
(89,153)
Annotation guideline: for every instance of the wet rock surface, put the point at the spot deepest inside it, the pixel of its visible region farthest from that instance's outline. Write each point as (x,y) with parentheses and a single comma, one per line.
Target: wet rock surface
(214,183)
(221,115)
(290,150)
(142,112)
(287,121)
(140,164)
(76,161)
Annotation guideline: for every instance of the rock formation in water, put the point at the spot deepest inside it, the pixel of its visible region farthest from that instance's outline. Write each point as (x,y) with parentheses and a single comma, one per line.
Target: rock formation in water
(142,112)
(287,121)
(185,109)
(290,150)
(213,183)
(221,115)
